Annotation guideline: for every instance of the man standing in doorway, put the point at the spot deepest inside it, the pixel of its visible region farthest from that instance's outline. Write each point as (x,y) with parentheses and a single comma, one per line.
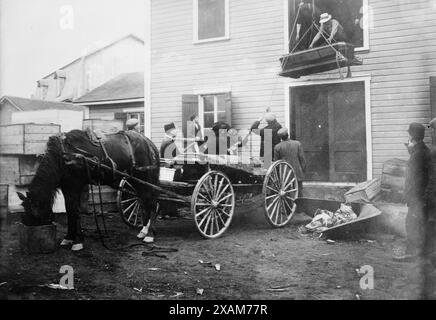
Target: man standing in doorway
(415,190)
(292,152)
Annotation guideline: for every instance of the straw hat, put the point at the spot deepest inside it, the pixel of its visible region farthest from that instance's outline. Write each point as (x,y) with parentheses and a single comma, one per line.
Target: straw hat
(325,17)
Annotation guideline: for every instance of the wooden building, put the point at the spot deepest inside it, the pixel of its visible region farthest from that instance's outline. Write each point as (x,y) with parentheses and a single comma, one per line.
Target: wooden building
(120,98)
(220,58)
(92,69)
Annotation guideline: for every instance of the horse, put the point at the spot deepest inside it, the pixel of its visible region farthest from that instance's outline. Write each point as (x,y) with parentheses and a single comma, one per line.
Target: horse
(64,167)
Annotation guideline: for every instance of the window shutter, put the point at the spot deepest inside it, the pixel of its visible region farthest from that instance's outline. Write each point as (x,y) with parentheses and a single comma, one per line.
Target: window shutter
(228,101)
(189,108)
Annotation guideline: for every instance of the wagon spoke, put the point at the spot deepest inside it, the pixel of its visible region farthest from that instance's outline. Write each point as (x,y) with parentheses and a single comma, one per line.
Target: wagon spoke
(225,198)
(128,191)
(204,217)
(272,203)
(223,211)
(222,192)
(129,207)
(203,211)
(218,191)
(133,211)
(272,189)
(290,183)
(216,221)
(287,176)
(221,218)
(128,200)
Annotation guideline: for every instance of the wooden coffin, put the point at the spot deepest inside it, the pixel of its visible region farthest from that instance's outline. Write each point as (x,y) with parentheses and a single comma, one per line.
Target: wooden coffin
(26,138)
(317,60)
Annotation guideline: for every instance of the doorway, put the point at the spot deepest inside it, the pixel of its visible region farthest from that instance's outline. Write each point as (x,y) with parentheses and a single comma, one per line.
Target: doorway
(329,121)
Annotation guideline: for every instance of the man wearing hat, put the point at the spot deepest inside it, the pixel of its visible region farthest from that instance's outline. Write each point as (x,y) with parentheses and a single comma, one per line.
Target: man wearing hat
(292,152)
(168,147)
(274,127)
(330,29)
(415,190)
(132,124)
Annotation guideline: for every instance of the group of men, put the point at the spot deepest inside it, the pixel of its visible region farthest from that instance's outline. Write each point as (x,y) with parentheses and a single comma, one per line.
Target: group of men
(275,142)
(420,194)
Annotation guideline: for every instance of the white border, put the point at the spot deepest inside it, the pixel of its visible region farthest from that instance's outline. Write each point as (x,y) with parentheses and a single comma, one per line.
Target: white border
(366,23)
(226,36)
(368,122)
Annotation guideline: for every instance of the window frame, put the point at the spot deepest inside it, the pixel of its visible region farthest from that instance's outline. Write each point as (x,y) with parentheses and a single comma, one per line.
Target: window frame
(195,24)
(201,111)
(366,11)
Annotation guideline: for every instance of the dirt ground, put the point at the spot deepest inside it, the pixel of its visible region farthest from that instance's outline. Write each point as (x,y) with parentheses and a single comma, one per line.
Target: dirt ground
(254,259)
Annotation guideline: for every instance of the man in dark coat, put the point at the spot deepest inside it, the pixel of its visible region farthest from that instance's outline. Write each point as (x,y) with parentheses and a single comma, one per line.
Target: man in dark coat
(415,191)
(431,194)
(168,147)
(292,152)
(266,151)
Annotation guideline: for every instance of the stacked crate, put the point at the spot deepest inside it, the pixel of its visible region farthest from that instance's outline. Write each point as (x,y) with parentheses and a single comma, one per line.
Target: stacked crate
(20,145)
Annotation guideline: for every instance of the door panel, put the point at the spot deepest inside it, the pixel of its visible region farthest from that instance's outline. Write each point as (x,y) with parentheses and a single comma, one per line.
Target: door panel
(311,129)
(329,120)
(348,134)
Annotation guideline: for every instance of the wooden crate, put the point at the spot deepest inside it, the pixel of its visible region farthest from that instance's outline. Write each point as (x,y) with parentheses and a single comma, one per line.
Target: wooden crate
(106,126)
(394,179)
(365,191)
(18,169)
(26,138)
(37,239)
(4,195)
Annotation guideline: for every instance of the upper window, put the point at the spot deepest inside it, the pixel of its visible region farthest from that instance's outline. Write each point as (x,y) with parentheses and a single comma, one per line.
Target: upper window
(304,22)
(211,20)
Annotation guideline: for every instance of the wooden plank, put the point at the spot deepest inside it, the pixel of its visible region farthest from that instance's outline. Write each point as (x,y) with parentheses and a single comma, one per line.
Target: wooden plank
(4,189)
(9,169)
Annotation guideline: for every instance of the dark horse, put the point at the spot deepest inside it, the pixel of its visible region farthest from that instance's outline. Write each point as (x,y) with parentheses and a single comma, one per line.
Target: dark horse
(60,168)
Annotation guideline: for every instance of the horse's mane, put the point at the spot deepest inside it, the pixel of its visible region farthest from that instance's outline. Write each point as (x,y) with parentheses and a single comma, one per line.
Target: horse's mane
(44,185)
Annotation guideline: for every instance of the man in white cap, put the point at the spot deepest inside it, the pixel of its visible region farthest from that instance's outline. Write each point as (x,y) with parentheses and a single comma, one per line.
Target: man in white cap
(132,124)
(292,152)
(330,29)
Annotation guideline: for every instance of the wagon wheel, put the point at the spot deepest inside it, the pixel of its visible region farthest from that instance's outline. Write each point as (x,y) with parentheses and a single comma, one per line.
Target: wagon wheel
(129,204)
(280,188)
(213,204)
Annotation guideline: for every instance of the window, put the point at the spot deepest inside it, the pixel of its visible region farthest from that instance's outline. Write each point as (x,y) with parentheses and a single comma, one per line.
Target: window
(211,20)
(212,109)
(352,15)
(140,117)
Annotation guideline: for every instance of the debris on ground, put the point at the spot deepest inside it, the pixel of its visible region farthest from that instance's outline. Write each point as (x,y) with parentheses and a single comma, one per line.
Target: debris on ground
(330,241)
(138,290)
(153,269)
(177,294)
(3,283)
(56,286)
(325,219)
(200,291)
(217,267)
(281,288)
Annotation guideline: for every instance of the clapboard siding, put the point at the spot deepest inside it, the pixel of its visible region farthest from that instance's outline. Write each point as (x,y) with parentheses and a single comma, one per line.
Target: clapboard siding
(400,60)
(247,64)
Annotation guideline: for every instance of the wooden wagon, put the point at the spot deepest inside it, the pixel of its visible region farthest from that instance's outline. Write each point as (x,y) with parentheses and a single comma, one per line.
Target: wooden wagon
(210,185)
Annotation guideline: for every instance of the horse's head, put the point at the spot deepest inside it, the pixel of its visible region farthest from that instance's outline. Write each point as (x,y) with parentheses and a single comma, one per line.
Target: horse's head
(36,212)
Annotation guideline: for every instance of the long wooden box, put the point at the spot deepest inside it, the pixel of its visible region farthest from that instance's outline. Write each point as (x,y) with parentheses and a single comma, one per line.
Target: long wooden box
(106,126)
(109,199)
(320,59)
(18,169)
(26,138)
(365,191)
